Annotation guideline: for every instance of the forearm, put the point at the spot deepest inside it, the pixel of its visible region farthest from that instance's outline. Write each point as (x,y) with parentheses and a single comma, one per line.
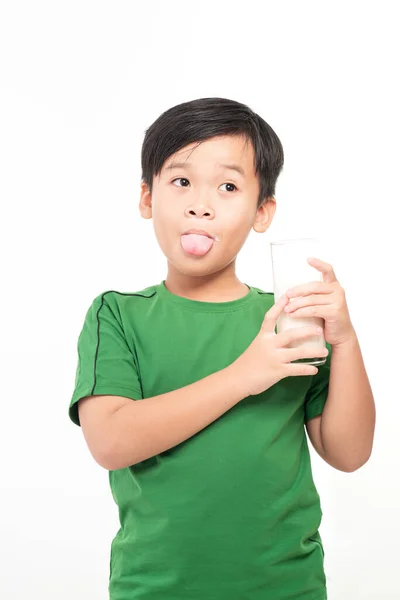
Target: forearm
(348,419)
(144,428)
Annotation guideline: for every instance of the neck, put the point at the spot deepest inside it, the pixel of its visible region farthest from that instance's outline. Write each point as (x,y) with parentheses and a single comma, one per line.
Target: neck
(216,287)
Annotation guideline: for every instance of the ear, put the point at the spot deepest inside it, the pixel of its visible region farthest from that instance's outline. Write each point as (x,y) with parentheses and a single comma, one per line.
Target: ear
(265,214)
(145,203)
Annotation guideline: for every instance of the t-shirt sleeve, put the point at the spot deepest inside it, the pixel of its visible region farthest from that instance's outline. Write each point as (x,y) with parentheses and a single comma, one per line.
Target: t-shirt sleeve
(317,393)
(106,364)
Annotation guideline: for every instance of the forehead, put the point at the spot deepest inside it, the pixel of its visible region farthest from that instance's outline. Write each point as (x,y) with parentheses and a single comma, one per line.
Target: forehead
(219,153)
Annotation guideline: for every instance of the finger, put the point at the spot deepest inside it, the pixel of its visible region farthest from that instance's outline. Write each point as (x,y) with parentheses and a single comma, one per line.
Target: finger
(319,310)
(313,287)
(290,354)
(301,302)
(274,312)
(296,369)
(297,333)
(325,268)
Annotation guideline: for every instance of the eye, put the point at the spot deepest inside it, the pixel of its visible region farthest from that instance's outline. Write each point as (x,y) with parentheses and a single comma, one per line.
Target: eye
(231,184)
(180,179)
(187,180)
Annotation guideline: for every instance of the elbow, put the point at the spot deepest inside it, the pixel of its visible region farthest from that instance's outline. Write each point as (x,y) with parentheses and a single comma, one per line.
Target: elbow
(106,454)
(350,466)
(106,462)
(109,461)
(102,453)
(112,460)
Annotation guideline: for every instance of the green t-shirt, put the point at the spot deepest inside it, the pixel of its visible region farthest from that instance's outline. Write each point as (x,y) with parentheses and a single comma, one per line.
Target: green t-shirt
(232,513)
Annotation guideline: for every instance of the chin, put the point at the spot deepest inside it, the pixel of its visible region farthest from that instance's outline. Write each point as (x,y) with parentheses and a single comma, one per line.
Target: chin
(195,269)
(201,266)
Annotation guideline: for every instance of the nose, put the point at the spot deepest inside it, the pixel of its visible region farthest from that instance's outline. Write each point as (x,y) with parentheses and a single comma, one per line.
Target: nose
(199,209)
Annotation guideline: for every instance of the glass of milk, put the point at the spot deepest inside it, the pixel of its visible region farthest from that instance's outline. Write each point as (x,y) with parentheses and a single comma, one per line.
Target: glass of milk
(290,269)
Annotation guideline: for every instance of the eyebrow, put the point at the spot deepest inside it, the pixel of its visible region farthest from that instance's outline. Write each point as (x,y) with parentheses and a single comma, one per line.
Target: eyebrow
(183,165)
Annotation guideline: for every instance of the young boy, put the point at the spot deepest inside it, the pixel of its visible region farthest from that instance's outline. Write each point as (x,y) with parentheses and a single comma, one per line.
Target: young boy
(189,398)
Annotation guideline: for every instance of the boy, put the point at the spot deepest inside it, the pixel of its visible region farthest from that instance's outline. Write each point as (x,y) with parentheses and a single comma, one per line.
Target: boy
(188,397)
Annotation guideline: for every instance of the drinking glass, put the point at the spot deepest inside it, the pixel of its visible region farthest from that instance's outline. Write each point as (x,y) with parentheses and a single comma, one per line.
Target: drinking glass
(290,268)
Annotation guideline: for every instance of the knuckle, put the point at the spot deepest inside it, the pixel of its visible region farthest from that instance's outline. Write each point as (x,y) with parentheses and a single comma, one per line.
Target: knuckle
(281,369)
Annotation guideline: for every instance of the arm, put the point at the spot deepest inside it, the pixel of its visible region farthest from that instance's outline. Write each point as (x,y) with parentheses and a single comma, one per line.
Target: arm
(125,432)
(343,434)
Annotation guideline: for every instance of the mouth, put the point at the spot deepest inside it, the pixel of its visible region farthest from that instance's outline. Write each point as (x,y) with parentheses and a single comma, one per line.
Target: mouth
(200,232)
(197,242)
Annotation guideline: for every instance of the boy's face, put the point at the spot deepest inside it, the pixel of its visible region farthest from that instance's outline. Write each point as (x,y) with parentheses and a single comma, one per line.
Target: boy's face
(201,194)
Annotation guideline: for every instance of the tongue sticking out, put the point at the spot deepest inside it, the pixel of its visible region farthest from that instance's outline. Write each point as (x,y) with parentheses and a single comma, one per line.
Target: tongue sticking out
(196,244)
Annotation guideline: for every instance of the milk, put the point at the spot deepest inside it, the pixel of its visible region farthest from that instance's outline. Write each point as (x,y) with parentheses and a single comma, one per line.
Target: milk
(290,269)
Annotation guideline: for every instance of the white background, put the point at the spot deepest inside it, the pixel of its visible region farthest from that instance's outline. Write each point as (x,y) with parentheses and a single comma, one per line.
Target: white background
(79,84)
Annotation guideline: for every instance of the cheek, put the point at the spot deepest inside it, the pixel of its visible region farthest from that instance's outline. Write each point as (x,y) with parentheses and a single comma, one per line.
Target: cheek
(164,227)
(167,227)
(233,238)
(237,224)
(164,217)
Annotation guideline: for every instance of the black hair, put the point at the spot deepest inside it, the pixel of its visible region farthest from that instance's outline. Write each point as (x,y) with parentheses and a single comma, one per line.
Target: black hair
(206,118)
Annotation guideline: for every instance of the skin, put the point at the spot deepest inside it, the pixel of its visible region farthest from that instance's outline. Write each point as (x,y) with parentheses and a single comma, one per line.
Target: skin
(199,196)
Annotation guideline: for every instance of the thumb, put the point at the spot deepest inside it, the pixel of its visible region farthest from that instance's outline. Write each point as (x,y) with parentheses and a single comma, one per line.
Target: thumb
(274,312)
